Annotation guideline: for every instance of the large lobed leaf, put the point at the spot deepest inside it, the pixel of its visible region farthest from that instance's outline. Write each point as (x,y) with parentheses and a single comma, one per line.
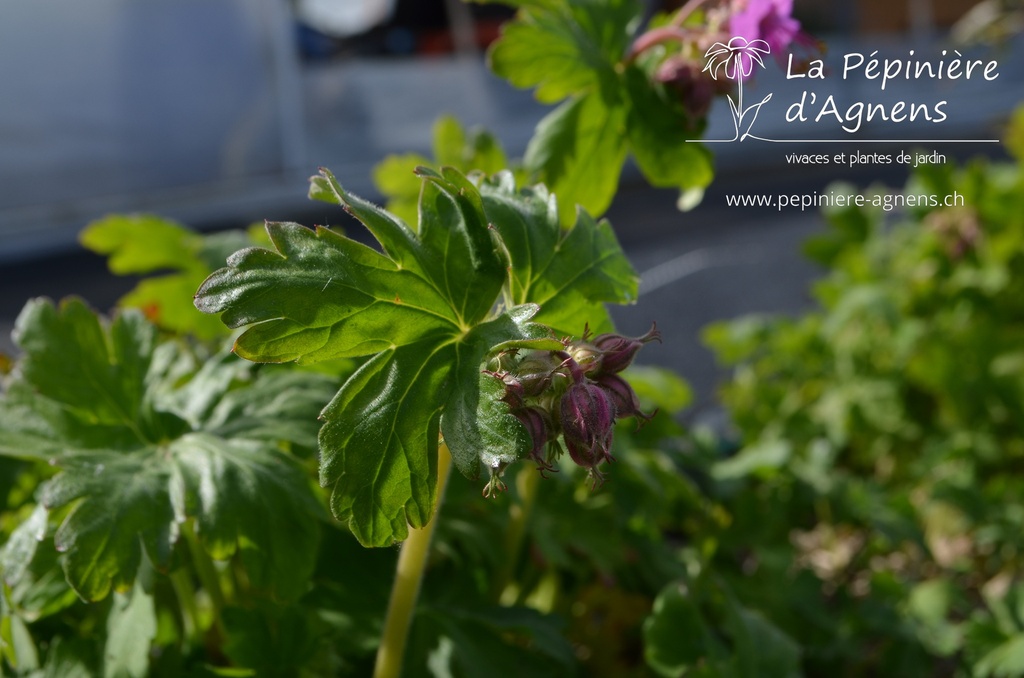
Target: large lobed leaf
(566,271)
(563,48)
(579,149)
(177,259)
(139,455)
(424,311)
(576,53)
(316,282)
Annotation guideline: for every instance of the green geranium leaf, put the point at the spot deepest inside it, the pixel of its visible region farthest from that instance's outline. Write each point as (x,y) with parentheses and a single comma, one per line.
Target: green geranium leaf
(139,455)
(147,244)
(477,426)
(315,282)
(467,150)
(476,419)
(562,49)
(393,404)
(100,374)
(245,496)
(379,441)
(131,628)
(579,149)
(661,138)
(452,251)
(412,307)
(572,53)
(676,636)
(449,142)
(426,311)
(40,429)
(538,51)
(38,588)
(140,243)
(395,177)
(567,272)
(681,640)
(578,54)
(42,591)
(20,548)
(471,272)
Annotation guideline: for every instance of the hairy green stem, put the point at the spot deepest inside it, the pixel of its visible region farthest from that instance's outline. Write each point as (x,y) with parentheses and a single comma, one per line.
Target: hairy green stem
(412,563)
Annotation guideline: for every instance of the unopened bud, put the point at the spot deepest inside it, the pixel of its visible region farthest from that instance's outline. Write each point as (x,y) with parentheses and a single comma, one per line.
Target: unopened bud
(586,355)
(693,87)
(622,396)
(588,420)
(536,372)
(619,351)
(537,425)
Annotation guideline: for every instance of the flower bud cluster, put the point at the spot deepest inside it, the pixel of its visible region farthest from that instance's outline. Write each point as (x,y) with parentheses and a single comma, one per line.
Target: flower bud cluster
(569,400)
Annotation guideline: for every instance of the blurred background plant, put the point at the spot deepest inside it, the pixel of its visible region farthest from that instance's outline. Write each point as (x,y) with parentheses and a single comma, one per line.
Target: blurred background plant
(877,482)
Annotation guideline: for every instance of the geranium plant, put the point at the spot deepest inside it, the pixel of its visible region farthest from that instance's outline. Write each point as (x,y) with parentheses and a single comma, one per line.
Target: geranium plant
(171,483)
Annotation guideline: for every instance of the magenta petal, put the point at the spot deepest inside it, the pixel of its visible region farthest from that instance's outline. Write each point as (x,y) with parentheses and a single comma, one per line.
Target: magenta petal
(767,20)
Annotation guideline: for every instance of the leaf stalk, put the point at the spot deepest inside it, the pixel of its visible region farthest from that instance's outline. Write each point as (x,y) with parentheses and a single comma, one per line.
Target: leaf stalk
(412,564)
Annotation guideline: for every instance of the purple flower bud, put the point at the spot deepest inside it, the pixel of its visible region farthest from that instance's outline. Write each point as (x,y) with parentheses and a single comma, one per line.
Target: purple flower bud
(539,427)
(693,87)
(588,420)
(623,396)
(619,351)
(536,372)
(587,456)
(587,356)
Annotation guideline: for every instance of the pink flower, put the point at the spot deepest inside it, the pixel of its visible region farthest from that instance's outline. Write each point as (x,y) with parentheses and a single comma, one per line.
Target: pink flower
(768,20)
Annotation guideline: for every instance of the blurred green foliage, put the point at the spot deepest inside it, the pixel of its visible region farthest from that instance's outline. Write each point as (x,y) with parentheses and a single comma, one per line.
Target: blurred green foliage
(876,500)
